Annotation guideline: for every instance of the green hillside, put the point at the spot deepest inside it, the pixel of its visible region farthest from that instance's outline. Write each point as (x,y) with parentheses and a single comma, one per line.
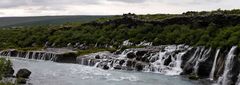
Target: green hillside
(215,29)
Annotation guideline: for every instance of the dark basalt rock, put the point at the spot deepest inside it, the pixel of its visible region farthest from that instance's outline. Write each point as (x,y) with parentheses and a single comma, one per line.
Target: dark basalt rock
(139,67)
(141,53)
(67,58)
(23,73)
(121,62)
(118,67)
(131,55)
(117,52)
(129,63)
(168,60)
(139,58)
(206,66)
(105,67)
(97,57)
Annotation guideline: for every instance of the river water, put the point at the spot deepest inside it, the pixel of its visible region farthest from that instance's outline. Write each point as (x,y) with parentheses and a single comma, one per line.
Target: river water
(51,73)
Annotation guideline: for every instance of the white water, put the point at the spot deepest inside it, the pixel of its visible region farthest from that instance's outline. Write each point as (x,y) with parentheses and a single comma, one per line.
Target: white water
(174,67)
(203,56)
(50,73)
(225,78)
(211,76)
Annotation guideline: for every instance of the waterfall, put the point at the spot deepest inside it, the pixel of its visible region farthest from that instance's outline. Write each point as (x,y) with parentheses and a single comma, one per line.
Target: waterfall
(203,56)
(53,57)
(27,55)
(211,76)
(34,55)
(238,81)
(96,64)
(177,63)
(168,61)
(225,79)
(18,54)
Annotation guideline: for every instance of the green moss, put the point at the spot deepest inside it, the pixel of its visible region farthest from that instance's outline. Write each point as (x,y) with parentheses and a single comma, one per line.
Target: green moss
(193,76)
(5,65)
(6,83)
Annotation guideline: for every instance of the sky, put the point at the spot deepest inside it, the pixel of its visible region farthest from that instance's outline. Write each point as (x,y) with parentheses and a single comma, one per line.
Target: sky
(109,7)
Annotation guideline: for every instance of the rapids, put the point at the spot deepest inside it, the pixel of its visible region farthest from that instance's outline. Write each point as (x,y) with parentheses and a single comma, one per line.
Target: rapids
(51,73)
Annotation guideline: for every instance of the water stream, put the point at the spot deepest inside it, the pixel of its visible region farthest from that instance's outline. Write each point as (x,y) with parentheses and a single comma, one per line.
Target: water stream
(51,73)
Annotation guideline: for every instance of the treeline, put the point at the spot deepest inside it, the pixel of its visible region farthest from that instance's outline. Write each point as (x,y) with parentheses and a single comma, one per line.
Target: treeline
(214,30)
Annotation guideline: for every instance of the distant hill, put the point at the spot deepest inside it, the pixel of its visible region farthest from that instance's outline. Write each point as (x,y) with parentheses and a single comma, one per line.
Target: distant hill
(44,20)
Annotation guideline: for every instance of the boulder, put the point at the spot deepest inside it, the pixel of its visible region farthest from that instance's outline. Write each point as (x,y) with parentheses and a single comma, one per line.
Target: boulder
(141,53)
(118,67)
(131,55)
(67,58)
(105,67)
(139,67)
(121,62)
(23,73)
(97,57)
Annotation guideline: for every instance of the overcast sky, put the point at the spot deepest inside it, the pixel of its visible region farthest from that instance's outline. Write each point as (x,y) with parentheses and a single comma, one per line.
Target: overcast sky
(108,7)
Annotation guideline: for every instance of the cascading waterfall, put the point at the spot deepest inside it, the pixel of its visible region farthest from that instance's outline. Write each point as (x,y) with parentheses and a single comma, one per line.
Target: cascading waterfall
(225,79)
(34,55)
(211,76)
(201,58)
(238,81)
(27,55)
(174,66)
(177,63)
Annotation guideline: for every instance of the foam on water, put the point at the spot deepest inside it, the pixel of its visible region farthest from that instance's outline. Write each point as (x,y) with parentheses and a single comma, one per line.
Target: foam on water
(50,73)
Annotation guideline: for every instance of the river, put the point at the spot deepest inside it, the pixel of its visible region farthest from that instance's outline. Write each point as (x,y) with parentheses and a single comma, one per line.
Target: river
(51,73)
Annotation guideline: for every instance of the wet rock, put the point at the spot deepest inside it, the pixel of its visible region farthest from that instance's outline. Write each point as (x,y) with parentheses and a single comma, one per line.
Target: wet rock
(23,73)
(97,57)
(167,61)
(105,67)
(117,52)
(129,63)
(139,58)
(145,59)
(118,67)
(131,55)
(67,58)
(139,67)
(121,62)
(141,53)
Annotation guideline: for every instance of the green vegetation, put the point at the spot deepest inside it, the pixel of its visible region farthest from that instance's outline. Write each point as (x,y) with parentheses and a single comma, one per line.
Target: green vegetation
(220,28)
(8,83)
(5,65)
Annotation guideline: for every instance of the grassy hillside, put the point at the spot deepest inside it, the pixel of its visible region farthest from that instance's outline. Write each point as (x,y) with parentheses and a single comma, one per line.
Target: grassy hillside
(44,20)
(215,29)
